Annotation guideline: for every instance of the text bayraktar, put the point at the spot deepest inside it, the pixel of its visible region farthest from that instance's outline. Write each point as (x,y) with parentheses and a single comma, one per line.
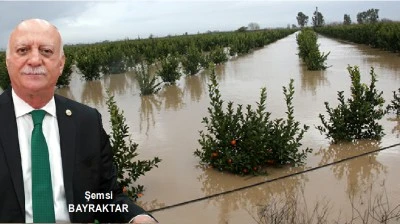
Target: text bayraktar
(98,208)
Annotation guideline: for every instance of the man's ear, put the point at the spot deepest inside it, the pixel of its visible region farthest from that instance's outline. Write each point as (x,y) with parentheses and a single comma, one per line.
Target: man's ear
(62,63)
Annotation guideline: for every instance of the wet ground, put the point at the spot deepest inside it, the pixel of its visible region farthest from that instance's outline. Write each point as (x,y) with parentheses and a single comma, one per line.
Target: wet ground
(167,124)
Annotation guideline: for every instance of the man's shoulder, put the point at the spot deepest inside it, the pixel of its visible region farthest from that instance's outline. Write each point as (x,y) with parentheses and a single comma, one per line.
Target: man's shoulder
(5,96)
(73,105)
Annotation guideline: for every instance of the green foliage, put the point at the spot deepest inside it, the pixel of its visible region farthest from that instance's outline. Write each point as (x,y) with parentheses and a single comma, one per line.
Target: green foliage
(246,42)
(169,69)
(346,19)
(306,41)
(384,35)
(318,19)
(395,103)
(245,143)
(242,29)
(89,63)
(191,60)
(356,117)
(125,152)
(316,61)
(148,85)
(253,26)
(205,61)
(286,134)
(113,60)
(369,16)
(302,19)
(4,78)
(239,46)
(309,50)
(65,77)
(218,55)
(149,52)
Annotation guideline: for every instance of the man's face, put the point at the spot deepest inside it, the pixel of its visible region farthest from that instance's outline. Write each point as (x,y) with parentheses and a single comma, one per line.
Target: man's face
(34,62)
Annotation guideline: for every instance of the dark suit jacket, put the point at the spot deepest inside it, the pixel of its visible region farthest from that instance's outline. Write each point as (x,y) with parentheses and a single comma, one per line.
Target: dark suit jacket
(86,160)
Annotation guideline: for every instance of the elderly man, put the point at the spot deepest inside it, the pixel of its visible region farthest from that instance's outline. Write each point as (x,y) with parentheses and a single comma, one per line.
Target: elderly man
(55,157)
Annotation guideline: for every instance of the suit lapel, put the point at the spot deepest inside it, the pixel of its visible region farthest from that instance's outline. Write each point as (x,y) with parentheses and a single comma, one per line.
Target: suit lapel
(9,142)
(67,132)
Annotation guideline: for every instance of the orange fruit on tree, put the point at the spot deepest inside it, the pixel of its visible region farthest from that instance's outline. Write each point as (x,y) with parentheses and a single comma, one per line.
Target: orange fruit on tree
(233,142)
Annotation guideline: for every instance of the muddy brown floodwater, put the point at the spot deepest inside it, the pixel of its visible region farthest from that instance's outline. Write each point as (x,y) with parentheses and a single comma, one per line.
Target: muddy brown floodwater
(167,124)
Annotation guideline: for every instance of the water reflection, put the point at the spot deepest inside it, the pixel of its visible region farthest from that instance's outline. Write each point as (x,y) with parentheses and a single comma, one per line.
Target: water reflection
(219,72)
(379,58)
(374,203)
(250,199)
(396,129)
(311,80)
(383,62)
(116,83)
(358,172)
(151,205)
(66,92)
(195,86)
(172,96)
(92,93)
(133,84)
(147,106)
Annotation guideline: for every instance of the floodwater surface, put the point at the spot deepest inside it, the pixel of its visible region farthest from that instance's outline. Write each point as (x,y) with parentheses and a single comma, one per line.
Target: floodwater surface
(167,124)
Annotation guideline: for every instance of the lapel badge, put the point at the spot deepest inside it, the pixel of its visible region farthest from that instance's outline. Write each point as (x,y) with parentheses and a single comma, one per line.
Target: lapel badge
(68,112)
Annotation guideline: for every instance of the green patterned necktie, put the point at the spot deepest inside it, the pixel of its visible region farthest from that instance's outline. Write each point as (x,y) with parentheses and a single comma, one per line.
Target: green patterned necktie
(42,193)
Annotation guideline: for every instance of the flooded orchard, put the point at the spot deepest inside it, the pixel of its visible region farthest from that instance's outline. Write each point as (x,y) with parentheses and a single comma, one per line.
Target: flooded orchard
(167,125)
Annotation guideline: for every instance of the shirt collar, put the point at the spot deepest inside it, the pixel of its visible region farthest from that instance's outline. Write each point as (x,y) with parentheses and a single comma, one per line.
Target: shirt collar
(21,107)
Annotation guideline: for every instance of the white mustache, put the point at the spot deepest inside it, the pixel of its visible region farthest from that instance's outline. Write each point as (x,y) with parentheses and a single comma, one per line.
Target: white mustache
(34,70)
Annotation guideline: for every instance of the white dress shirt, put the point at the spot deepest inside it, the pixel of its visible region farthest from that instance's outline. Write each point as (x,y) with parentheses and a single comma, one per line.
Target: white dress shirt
(52,136)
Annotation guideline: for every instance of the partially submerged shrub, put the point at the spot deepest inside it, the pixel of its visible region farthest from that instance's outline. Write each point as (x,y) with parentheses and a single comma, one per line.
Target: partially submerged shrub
(244,143)
(191,60)
(125,152)
(309,50)
(169,69)
(147,84)
(89,63)
(218,55)
(356,117)
(113,61)
(395,103)
(286,134)
(306,41)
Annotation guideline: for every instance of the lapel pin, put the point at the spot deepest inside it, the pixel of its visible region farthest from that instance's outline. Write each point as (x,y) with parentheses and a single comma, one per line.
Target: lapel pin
(68,112)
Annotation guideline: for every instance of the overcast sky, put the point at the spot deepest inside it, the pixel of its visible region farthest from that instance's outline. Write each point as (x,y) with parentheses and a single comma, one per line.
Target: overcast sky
(87,22)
